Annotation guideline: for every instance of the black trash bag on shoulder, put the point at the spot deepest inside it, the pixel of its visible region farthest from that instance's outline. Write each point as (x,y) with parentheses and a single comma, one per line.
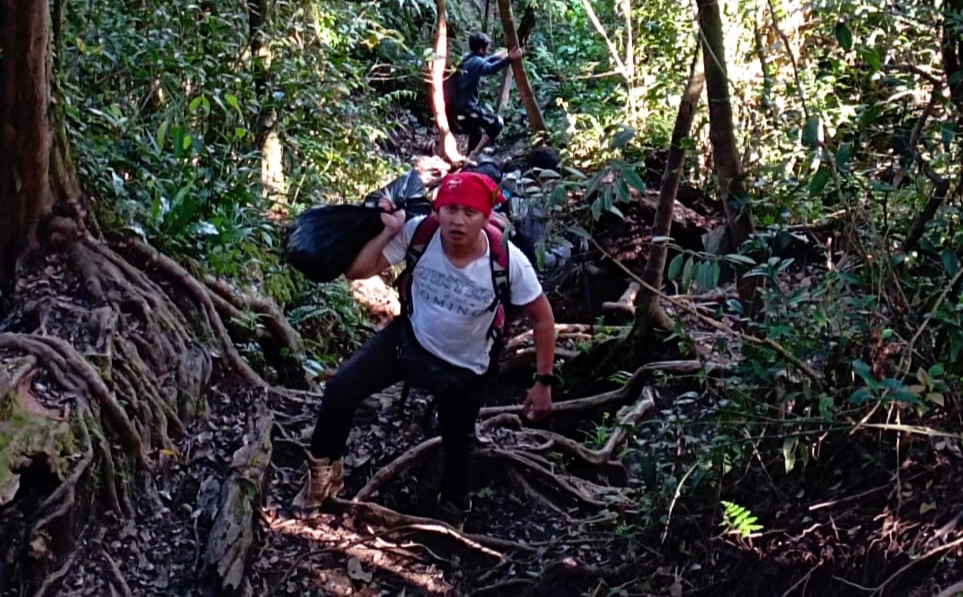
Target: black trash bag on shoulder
(407,192)
(324,240)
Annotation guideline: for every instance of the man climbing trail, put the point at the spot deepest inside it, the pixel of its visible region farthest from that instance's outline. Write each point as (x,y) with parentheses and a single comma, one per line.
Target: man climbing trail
(459,277)
(465,115)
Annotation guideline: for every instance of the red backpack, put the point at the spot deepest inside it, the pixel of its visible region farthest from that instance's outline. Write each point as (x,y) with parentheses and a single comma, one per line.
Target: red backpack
(498,248)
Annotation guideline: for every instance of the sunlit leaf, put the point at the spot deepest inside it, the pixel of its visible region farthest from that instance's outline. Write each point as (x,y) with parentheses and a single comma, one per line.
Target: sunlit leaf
(161,135)
(687,273)
(740,259)
(789,452)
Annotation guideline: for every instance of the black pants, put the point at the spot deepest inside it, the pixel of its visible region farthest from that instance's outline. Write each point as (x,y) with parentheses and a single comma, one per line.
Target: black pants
(475,122)
(374,367)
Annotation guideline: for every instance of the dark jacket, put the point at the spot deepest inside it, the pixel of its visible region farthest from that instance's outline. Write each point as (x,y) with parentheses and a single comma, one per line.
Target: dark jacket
(462,88)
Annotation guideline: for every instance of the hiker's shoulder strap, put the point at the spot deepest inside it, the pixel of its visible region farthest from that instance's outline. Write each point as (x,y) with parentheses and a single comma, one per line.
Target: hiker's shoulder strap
(420,239)
(498,246)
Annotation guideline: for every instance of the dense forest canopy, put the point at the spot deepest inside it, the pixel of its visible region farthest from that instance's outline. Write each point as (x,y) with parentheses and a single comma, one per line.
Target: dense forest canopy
(771,408)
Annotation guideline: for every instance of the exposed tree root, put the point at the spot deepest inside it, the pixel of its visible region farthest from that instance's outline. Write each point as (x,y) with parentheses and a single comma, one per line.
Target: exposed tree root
(519,479)
(522,451)
(118,582)
(281,342)
(607,399)
(388,472)
(562,330)
(123,363)
(626,302)
(387,518)
(180,277)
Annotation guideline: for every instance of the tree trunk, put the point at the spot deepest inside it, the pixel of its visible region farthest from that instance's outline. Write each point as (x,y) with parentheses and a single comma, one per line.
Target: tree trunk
(449,145)
(26,193)
(722,135)
(648,312)
(265,124)
(535,120)
(952,50)
(725,153)
(524,32)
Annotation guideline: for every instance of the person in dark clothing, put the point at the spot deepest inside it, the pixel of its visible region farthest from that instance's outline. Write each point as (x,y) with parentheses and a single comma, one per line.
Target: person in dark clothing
(465,115)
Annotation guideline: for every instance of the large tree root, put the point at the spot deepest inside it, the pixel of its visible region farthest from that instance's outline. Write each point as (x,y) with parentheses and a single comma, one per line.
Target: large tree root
(121,365)
(523,452)
(261,318)
(176,275)
(386,518)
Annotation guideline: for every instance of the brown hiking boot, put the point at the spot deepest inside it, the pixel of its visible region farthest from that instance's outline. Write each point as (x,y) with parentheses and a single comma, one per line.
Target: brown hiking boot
(323,480)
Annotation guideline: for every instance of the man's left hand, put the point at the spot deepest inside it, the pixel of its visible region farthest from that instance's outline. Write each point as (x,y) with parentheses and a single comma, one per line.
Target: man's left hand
(538,403)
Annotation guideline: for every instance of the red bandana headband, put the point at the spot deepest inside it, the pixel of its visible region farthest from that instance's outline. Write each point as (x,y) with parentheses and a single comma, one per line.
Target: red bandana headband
(470,189)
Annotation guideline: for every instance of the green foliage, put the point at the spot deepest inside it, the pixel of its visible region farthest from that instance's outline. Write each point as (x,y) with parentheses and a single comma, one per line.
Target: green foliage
(739,520)
(330,321)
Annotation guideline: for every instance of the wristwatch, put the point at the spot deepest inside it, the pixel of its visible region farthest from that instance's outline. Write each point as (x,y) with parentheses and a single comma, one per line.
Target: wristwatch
(546,379)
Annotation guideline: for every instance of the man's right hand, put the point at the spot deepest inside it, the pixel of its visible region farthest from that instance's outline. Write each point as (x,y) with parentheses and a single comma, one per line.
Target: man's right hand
(516,54)
(393,220)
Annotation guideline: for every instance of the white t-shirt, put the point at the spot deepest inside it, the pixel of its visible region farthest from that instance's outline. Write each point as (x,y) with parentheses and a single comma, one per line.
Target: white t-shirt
(450,305)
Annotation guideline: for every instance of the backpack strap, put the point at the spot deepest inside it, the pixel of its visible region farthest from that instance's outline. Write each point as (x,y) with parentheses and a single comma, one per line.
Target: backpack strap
(416,248)
(498,247)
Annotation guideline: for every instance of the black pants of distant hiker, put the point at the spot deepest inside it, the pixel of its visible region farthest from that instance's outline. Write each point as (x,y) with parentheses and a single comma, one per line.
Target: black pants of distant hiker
(376,366)
(475,123)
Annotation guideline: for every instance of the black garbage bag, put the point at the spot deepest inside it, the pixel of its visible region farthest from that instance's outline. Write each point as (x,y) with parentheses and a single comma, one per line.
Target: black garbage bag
(407,192)
(324,240)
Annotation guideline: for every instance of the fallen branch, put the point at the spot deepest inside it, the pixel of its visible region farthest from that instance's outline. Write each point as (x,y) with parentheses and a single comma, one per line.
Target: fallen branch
(634,384)
(953,589)
(626,302)
(233,531)
(516,584)
(387,518)
(561,329)
(394,468)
